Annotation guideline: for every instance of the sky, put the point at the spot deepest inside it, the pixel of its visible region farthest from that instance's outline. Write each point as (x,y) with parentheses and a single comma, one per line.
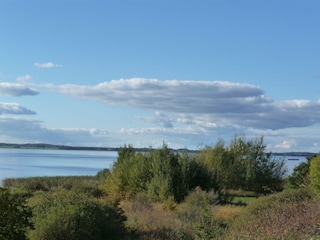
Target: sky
(187,73)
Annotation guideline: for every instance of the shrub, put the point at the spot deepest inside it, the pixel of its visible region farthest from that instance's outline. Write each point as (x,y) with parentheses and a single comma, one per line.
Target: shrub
(315,174)
(291,214)
(299,177)
(15,216)
(68,215)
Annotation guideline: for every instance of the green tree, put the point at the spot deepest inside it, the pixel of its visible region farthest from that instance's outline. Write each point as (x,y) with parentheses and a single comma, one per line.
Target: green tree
(15,216)
(196,174)
(244,164)
(269,175)
(166,175)
(117,184)
(129,174)
(300,175)
(214,159)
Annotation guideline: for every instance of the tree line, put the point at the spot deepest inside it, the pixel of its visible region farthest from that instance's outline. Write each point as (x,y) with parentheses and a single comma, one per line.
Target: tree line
(162,173)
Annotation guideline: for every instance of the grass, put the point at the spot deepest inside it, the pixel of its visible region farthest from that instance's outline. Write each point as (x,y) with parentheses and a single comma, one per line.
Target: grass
(227,213)
(242,200)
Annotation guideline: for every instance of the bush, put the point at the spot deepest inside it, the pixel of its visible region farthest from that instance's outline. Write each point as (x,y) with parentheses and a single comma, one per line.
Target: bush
(299,177)
(291,214)
(15,216)
(32,184)
(197,212)
(315,174)
(67,215)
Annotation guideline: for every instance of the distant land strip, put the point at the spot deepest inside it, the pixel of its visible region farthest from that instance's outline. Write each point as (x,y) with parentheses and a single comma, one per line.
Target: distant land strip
(116,149)
(64,147)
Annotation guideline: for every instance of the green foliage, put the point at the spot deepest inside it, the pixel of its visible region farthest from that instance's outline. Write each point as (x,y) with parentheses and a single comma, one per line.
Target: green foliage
(205,228)
(166,175)
(244,164)
(196,210)
(32,184)
(300,175)
(195,173)
(162,173)
(15,216)
(315,174)
(63,214)
(103,174)
(192,204)
(159,173)
(129,175)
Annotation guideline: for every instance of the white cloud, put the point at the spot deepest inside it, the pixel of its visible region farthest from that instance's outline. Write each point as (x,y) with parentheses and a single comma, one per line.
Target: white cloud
(46,65)
(22,130)
(27,79)
(172,95)
(16,89)
(285,145)
(160,119)
(208,104)
(14,108)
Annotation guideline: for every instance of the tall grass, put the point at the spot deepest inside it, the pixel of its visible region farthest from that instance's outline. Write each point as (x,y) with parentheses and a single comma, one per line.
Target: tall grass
(32,184)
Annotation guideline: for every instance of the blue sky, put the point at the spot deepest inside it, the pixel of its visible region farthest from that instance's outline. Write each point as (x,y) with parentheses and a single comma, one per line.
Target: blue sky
(144,72)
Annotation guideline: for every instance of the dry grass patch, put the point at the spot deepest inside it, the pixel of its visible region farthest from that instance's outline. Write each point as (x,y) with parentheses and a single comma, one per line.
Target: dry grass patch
(227,213)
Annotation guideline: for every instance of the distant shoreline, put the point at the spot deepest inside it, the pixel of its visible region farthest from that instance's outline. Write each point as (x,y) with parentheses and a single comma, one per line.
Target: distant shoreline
(45,146)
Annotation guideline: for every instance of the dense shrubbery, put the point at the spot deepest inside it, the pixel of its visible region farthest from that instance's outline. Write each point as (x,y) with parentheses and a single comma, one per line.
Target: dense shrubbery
(162,173)
(63,214)
(62,208)
(244,164)
(15,216)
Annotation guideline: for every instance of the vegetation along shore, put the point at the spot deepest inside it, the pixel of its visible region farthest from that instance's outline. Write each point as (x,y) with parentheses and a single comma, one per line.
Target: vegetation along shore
(226,191)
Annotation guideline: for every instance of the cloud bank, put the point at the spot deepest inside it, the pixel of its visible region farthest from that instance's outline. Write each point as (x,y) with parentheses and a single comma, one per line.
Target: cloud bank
(16,90)
(14,108)
(208,104)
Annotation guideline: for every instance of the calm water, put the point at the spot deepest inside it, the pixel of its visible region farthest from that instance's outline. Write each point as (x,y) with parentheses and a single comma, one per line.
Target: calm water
(291,164)
(30,163)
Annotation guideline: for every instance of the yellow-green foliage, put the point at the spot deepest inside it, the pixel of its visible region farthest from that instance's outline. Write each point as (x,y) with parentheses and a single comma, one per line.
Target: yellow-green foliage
(32,184)
(64,214)
(227,213)
(161,174)
(315,174)
(244,164)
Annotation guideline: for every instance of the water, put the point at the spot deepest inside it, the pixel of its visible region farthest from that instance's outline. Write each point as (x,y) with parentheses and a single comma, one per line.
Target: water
(16,163)
(291,162)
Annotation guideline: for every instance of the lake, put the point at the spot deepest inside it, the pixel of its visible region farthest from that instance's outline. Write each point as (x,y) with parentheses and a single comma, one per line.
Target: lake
(16,163)
(35,162)
(291,162)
